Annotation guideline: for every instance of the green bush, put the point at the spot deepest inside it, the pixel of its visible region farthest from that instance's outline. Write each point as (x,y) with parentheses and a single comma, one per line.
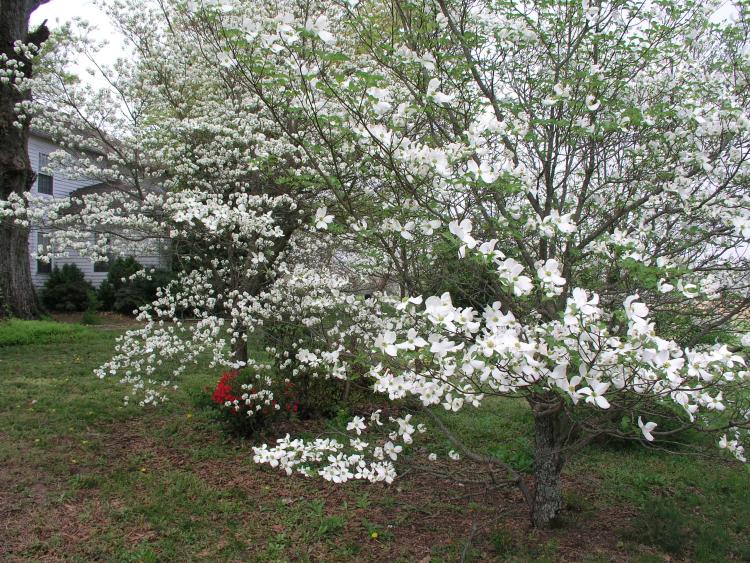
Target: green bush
(140,291)
(319,397)
(471,281)
(66,290)
(16,332)
(119,269)
(89,315)
(124,292)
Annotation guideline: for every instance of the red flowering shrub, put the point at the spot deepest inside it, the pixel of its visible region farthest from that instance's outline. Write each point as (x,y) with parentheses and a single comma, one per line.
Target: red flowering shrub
(290,399)
(248,410)
(224,392)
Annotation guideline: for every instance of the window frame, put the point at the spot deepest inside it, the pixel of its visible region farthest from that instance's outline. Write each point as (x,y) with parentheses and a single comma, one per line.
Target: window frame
(42,178)
(43,268)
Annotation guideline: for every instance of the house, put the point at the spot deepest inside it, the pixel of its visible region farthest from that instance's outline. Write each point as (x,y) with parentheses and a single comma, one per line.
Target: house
(54,184)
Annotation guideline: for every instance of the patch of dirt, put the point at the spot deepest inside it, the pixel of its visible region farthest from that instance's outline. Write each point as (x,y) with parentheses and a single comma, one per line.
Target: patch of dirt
(422,512)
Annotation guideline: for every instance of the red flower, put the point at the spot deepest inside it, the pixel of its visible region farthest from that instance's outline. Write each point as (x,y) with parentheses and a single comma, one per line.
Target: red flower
(224,391)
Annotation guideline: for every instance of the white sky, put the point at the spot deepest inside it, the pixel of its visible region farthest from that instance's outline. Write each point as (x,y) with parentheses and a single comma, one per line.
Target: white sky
(57,12)
(65,10)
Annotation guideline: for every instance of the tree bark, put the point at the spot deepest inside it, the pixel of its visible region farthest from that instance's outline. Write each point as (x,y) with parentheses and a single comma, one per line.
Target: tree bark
(240,348)
(548,464)
(17,295)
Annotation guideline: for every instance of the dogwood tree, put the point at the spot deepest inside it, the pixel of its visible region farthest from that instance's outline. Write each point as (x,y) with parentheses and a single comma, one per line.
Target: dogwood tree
(593,156)
(186,157)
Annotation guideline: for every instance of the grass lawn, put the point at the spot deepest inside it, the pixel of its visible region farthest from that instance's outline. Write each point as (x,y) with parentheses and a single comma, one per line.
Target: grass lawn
(16,332)
(84,478)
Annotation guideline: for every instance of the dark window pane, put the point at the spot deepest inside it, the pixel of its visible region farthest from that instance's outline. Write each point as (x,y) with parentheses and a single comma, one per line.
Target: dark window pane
(101,266)
(43,267)
(44,184)
(42,241)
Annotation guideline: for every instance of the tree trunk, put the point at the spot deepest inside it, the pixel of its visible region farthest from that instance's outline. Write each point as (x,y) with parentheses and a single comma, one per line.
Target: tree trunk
(239,352)
(548,463)
(17,295)
(240,349)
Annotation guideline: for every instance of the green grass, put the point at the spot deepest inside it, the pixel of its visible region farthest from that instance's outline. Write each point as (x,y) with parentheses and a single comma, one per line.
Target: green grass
(16,332)
(86,478)
(696,508)
(139,484)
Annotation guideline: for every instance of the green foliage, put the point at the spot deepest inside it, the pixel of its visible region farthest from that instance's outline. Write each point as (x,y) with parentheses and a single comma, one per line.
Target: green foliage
(89,315)
(327,524)
(687,508)
(518,453)
(318,397)
(668,417)
(470,281)
(140,291)
(17,332)
(123,291)
(684,329)
(119,269)
(508,547)
(66,290)
(503,543)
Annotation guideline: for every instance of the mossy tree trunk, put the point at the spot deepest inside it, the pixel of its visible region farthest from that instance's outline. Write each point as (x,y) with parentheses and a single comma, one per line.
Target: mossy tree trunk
(548,463)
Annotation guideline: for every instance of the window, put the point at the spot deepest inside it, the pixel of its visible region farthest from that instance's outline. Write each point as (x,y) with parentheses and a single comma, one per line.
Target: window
(43,178)
(103,266)
(42,245)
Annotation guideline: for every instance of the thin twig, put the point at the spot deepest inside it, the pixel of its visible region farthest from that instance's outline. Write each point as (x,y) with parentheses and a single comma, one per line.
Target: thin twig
(468,541)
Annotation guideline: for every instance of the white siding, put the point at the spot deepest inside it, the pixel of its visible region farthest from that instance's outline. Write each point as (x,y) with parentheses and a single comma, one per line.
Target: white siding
(63,187)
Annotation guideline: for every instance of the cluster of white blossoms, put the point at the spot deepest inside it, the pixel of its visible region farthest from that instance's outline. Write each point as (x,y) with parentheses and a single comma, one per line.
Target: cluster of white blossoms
(327,456)
(468,355)
(138,224)
(13,71)
(734,447)
(257,400)
(191,320)
(340,462)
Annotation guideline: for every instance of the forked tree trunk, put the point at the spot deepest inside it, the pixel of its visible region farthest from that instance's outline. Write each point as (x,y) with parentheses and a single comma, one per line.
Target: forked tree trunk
(17,295)
(548,464)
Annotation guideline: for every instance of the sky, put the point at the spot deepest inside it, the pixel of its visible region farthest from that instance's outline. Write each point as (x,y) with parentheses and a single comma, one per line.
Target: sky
(57,12)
